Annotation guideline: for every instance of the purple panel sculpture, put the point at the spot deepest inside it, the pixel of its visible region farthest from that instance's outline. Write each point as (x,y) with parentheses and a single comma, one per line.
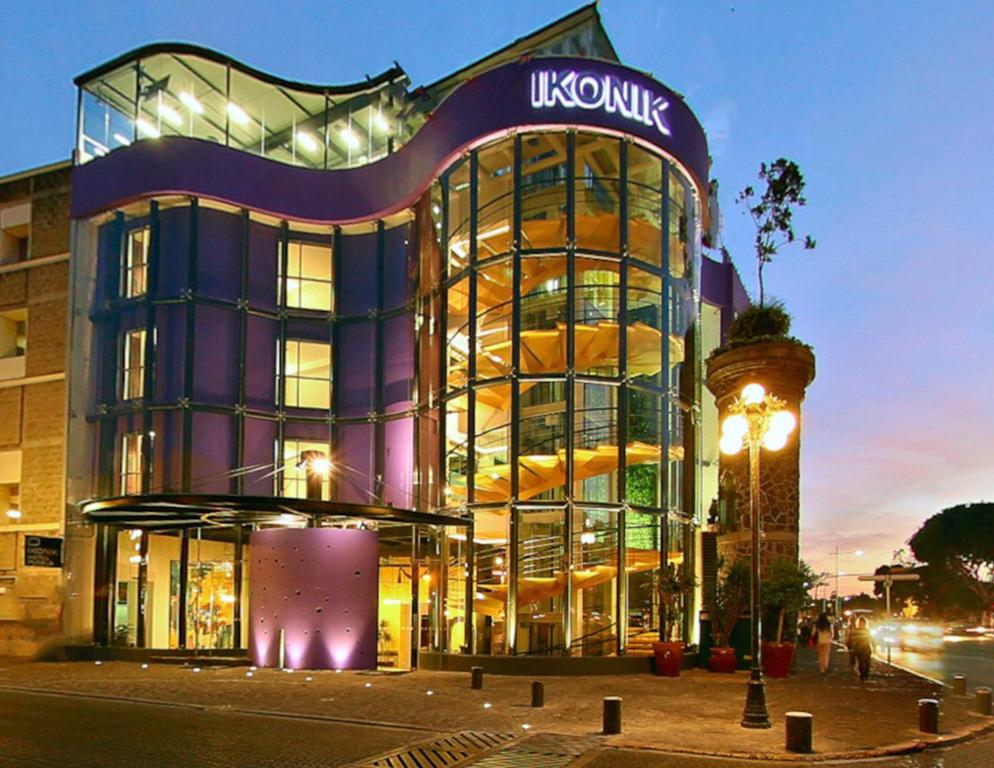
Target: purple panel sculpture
(319,586)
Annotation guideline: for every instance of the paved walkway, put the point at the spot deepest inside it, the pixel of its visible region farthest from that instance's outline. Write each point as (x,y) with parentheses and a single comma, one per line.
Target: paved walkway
(699,711)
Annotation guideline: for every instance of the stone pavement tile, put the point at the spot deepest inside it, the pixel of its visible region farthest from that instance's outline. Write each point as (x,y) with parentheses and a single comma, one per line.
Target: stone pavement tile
(698,710)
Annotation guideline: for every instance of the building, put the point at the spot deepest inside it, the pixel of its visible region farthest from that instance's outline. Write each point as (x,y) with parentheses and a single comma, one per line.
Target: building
(446,338)
(34,269)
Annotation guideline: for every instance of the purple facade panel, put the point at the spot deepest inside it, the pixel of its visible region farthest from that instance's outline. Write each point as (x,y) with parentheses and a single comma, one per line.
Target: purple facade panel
(356,356)
(167,452)
(357,274)
(354,460)
(722,287)
(398,271)
(260,363)
(398,469)
(316,589)
(398,362)
(108,262)
(308,330)
(212,453)
(260,455)
(216,350)
(306,430)
(264,250)
(219,254)
(174,250)
(170,354)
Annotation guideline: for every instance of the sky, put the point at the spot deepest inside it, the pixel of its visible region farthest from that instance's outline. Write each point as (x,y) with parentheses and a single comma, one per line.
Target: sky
(886,106)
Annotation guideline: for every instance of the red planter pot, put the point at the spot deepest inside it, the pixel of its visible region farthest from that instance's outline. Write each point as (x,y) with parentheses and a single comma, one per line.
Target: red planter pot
(722,659)
(669,658)
(777,658)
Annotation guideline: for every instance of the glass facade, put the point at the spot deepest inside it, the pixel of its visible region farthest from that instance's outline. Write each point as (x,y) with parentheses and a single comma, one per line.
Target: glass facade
(200,95)
(564,437)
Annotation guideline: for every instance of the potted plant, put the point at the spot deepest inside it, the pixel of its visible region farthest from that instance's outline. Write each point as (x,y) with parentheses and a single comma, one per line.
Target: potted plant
(671,584)
(784,592)
(724,603)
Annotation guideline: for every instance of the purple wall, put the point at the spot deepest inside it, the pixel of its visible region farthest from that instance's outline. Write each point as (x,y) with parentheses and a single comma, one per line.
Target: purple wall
(722,287)
(319,585)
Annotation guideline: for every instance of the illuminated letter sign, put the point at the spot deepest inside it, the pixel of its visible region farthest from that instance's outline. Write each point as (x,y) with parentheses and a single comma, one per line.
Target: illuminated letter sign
(574,89)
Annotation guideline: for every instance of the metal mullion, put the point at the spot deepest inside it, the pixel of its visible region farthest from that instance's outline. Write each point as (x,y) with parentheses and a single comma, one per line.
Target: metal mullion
(664,409)
(148,352)
(622,430)
(190,342)
(239,605)
(443,358)
(511,609)
(281,355)
(138,90)
(570,384)
(470,616)
(379,427)
(142,586)
(228,100)
(242,352)
(334,335)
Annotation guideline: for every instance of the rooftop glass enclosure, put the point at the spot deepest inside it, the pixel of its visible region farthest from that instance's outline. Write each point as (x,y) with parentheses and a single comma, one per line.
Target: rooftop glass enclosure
(181,90)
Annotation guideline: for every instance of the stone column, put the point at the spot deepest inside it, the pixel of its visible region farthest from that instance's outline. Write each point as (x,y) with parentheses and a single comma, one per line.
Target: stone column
(785,369)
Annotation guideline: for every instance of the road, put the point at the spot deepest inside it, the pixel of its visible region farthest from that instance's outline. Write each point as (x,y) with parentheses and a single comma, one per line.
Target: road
(46,731)
(971,657)
(55,730)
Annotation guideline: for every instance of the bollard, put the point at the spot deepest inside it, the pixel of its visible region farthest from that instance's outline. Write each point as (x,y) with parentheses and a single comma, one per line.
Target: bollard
(477,678)
(928,715)
(982,701)
(612,714)
(799,728)
(959,685)
(538,694)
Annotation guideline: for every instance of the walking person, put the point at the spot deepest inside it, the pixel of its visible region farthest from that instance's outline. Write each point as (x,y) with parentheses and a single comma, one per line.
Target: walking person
(823,639)
(861,645)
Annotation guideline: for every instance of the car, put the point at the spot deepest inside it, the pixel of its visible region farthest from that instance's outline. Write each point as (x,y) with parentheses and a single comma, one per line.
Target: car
(919,636)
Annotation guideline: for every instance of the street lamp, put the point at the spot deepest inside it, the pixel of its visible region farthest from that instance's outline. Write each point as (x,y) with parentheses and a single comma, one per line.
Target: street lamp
(757,420)
(316,467)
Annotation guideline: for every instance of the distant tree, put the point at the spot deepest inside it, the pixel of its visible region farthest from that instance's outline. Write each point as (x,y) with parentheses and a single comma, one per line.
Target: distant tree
(772,211)
(958,547)
(785,589)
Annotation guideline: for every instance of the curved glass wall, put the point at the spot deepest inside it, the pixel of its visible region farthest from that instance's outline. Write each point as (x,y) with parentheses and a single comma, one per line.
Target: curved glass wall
(569,384)
(181,93)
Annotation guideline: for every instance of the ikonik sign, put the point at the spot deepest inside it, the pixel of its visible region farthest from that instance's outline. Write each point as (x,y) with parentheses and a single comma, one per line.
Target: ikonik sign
(612,94)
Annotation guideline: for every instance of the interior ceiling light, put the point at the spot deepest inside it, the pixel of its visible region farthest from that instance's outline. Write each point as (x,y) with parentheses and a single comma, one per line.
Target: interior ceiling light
(381,123)
(349,137)
(170,115)
(191,103)
(146,128)
(120,138)
(307,141)
(237,114)
(14,514)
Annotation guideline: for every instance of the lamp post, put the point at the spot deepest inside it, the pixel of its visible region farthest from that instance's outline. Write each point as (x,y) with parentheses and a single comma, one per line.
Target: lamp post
(757,420)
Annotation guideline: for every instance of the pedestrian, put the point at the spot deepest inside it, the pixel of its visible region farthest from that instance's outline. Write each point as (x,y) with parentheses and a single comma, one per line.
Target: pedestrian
(861,644)
(805,630)
(823,636)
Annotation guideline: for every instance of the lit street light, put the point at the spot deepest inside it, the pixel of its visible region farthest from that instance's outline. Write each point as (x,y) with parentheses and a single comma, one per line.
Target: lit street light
(756,420)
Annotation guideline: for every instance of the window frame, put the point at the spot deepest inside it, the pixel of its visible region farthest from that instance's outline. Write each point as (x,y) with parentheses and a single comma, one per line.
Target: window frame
(131,448)
(132,376)
(284,379)
(131,268)
(282,283)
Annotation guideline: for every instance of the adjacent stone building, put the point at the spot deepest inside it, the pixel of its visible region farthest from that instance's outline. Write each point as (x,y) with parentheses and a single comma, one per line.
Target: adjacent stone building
(34,268)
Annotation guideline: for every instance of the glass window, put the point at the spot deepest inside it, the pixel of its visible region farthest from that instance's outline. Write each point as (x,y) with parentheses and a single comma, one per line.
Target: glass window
(493,443)
(645,326)
(457,335)
(13,333)
(107,119)
(458,217)
(309,282)
(642,453)
(135,266)
(130,466)
(133,364)
(307,375)
(594,581)
(542,441)
(492,561)
(595,442)
(293,483)
(596,314)
(456,454)
(544,314)
(645,239)
(642,555)
(543,190)
(495,199)
(597,172)
(541,581)
(493,324)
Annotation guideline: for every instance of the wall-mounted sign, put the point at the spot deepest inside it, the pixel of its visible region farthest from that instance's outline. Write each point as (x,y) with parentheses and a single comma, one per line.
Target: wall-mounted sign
(42,552)
(576,89)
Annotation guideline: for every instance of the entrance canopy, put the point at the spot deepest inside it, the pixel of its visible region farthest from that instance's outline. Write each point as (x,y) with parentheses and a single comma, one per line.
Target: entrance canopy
(168,510)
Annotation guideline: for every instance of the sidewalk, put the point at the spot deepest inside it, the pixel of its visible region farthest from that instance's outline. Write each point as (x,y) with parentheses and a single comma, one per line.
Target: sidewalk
(698,712)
